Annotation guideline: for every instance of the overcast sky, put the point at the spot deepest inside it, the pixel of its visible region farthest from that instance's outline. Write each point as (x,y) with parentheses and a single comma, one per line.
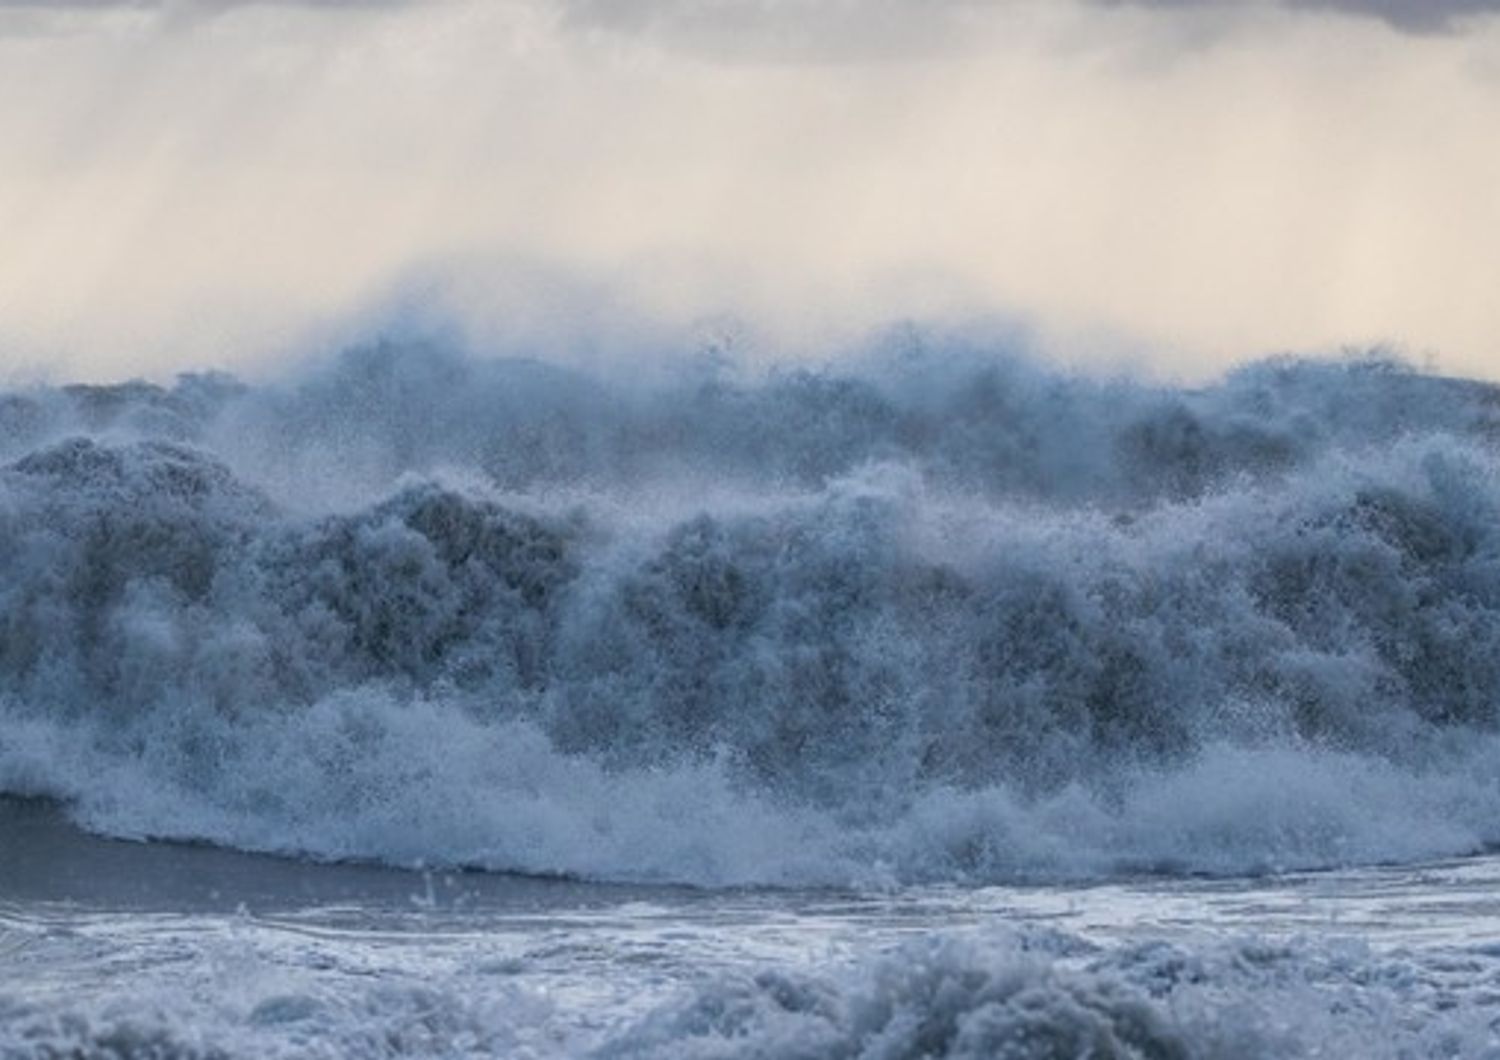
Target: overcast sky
(1193,182)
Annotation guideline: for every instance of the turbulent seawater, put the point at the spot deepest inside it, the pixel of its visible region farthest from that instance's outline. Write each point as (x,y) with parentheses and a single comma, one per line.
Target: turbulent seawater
(930,629)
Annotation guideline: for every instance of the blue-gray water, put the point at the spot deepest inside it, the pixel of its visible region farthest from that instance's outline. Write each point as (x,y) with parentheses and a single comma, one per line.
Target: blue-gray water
(114,950)
(979,706)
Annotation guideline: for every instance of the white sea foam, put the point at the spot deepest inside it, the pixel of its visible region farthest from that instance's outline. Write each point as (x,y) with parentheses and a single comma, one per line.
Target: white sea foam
(1022,993)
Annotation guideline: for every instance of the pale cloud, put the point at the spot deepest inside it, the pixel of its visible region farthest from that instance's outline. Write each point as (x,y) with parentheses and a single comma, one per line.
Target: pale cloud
(793,30)
(198,5)
(181,192)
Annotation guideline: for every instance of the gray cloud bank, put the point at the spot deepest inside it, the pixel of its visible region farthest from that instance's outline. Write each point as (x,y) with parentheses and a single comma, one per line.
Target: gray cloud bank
(1412,15)
(791,31)
(754,15)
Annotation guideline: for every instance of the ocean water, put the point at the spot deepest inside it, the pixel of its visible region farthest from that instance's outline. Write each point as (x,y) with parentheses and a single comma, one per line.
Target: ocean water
(934,702)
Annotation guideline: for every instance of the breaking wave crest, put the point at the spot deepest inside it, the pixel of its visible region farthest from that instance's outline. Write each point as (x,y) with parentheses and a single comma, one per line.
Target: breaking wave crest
(930,615)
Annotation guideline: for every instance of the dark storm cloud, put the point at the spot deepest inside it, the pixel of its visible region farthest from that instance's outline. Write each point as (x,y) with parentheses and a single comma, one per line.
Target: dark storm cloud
(1411,14)
(1417,16)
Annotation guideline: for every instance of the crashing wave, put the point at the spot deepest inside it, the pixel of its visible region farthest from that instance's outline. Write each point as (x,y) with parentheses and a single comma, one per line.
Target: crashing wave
(941,617)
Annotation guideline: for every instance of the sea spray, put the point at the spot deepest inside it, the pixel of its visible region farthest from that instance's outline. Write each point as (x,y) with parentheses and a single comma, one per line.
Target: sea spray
(947,616)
